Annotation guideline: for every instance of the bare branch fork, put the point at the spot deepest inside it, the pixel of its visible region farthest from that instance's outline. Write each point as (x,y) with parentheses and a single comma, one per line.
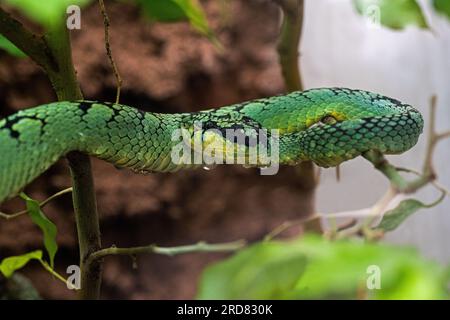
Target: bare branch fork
(399,185)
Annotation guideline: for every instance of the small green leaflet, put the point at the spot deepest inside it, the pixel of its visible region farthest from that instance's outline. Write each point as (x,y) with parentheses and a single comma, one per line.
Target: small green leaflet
(48,12)
(48,228)
(394,14)
(11,264)
(9,47)
(393,218)
(179,10)
(163,10)
(442,6)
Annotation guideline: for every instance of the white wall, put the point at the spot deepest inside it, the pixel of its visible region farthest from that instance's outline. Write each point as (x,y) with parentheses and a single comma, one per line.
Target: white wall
(339,48)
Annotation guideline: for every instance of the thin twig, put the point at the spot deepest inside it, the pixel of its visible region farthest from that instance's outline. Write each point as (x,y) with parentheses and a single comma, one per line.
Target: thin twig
(375,212)
(338,173)
(436,184)
(109,51)
(433,139)
(285,226)
(9,216)
(168,251)
(57,275)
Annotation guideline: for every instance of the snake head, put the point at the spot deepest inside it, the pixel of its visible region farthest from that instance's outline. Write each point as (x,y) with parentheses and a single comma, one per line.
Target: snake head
(329,144)
(331,125)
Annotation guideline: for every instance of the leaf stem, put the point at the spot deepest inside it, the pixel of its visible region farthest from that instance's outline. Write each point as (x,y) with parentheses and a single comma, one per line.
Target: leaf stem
(41,205)
(55,274)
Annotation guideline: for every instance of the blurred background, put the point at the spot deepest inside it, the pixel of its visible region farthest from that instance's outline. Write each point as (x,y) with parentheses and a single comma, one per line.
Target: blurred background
(340,48)
(171,68)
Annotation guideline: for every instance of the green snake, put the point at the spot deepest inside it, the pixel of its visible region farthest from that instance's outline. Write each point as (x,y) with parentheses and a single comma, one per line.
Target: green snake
(325,125)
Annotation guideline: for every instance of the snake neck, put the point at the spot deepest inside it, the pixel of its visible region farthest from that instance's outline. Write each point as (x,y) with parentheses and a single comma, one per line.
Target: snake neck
(148,142)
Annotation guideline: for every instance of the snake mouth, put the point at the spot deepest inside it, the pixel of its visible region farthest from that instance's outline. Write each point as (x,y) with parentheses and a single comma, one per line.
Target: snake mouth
(330,145)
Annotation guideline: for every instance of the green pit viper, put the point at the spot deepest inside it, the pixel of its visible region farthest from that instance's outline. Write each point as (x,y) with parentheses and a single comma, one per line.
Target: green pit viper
(325,125)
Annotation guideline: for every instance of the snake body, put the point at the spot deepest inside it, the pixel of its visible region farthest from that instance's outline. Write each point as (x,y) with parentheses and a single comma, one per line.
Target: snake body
(326,125)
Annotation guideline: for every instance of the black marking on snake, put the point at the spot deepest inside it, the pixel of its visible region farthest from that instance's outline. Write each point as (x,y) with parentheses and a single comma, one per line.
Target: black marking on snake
(10,122)
(9,125)
(14,134)
(85,106)
(141,114)
(239,131)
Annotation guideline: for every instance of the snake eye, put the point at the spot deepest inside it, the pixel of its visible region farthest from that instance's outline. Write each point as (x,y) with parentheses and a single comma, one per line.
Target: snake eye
(328,120)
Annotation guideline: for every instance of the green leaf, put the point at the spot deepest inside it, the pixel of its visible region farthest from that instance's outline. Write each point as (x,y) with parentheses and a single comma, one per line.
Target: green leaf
(48,12)
(11,264)
(442,6)
(314,268)
(9,47)
(393,218)
(48,228)
(179,10)
(394,14)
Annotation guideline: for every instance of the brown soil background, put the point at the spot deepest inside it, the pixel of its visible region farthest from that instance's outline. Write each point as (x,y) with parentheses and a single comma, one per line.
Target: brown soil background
(165,68)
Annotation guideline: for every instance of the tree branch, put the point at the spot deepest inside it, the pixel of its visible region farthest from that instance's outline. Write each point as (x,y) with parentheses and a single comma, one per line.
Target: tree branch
(168,251)
(288,55)
(53,53)
(88,229)
(288,46)
(31,44)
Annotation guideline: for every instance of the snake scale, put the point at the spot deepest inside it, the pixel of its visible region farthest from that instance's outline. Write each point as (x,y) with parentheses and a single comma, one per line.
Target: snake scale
(325,125)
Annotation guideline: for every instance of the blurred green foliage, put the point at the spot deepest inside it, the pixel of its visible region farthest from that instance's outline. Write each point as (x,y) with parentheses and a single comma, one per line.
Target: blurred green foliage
(395,14)
(18,287)
(392,219)
(179,10)
(442,6)
(47,13)
(314,268)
